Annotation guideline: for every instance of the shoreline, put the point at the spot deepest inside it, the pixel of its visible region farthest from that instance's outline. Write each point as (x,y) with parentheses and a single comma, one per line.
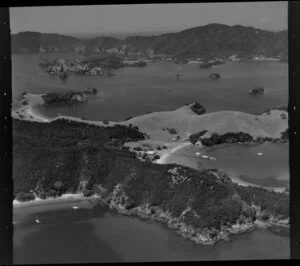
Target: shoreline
(29,112)
(164,160)
(243,183)
(32,111)
(70,197)
(144,212)
(196,235)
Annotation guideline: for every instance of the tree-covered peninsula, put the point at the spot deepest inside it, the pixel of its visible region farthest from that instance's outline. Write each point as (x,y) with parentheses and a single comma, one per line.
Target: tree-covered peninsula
(64,156)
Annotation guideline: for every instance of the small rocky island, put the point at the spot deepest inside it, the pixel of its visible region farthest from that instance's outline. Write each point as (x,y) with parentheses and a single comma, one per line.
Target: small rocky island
(214,76)
(205,65)
(256,91)
(197,108)
(91,66)
(68,97)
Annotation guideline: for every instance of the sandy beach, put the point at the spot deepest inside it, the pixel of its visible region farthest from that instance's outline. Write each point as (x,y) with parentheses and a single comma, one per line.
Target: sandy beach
(38,201)
(164,157)
(66,201)
(29,110)
(243,183)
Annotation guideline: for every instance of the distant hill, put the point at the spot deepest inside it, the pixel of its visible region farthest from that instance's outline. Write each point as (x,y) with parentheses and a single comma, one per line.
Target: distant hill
(203,41)
(34,42)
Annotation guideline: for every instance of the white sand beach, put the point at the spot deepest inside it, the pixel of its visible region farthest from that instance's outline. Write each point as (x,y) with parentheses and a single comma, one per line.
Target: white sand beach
(164,158)
(28,111)
(66,201)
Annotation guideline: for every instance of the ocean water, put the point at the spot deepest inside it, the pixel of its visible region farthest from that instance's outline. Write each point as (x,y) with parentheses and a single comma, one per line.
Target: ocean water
(100,235)
(136,91)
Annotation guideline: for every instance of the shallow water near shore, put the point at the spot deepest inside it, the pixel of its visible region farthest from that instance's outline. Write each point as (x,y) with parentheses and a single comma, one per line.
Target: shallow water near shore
(136,91)
(241,161)
(97,234)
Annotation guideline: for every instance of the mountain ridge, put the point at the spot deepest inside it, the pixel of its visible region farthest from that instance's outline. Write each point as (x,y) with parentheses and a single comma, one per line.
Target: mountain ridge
(210,40)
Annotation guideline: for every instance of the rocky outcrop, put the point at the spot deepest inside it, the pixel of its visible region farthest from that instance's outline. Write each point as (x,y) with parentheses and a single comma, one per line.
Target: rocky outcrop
(93,67)
(64,97)
(117,200)
(214,76)
(256,91)
(197,108)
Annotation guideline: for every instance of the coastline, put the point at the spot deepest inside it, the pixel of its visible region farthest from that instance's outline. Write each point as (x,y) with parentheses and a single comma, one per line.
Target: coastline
(29,112)
(67,201)
(32,111)
(164,160)
(243,183)
(198,236)
(38,201)
(143,212)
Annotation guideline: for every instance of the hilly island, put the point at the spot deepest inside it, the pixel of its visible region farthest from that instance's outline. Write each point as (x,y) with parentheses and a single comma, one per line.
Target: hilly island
(150,133)
(209,41)
(65,155)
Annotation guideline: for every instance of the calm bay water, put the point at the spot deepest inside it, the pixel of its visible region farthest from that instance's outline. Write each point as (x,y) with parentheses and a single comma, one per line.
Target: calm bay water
(101,235)
(98,235)
(241,160)
(135,91)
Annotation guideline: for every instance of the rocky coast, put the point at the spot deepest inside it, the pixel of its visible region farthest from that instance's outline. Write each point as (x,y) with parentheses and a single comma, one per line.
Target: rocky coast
(118,201)
(202,206)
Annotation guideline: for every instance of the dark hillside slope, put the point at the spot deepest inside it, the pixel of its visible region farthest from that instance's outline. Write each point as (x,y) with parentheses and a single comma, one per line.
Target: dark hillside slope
(59,157)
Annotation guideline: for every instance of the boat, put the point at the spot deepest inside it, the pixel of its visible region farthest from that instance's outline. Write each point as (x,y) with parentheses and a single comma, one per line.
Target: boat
(205,156)
(198,153)
(37,221)
(259,154)
(75,207)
